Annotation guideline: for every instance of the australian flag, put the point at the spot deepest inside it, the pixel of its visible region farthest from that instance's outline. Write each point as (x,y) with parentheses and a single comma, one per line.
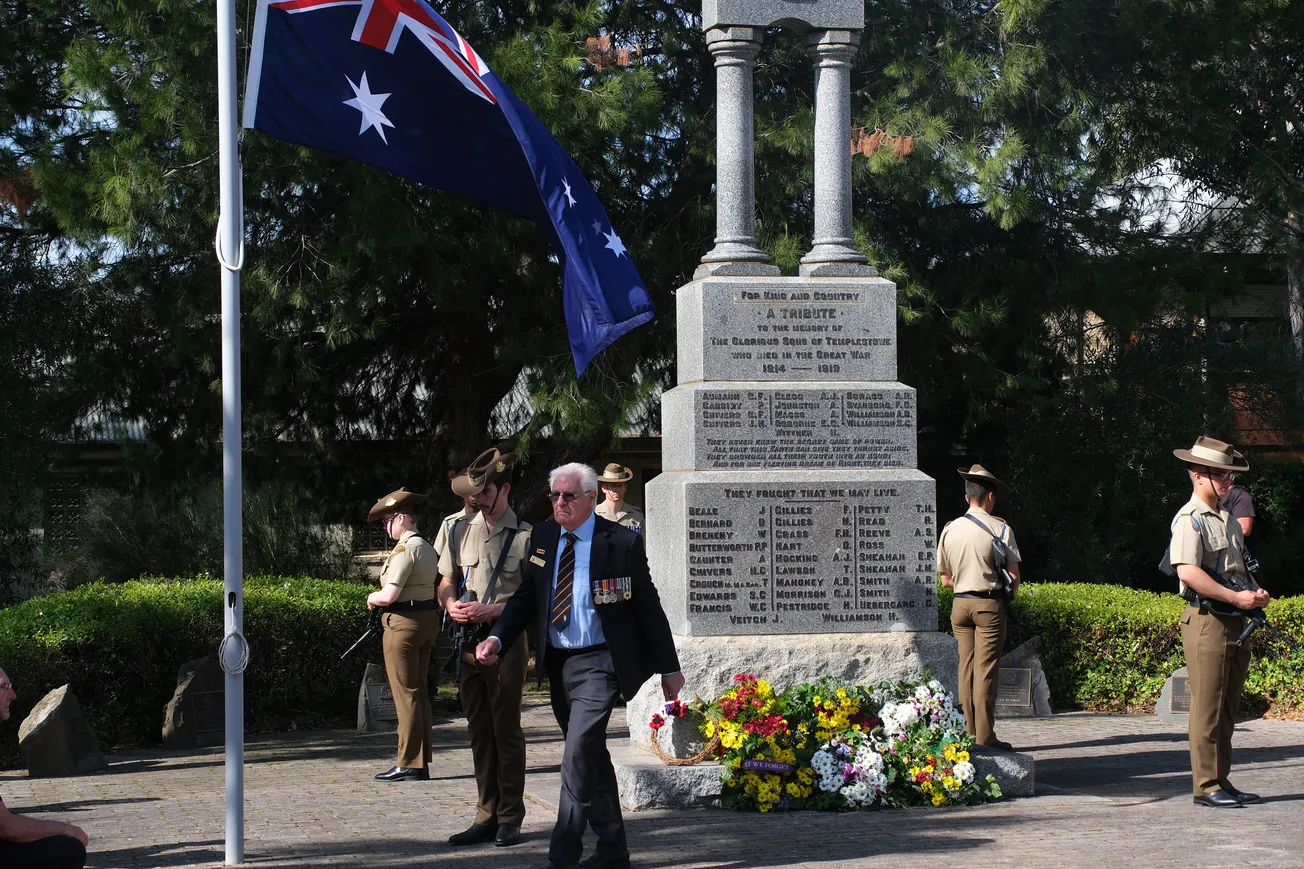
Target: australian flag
(391,84)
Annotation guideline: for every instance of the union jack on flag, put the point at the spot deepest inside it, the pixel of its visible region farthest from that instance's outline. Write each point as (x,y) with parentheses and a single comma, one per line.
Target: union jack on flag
(385,82)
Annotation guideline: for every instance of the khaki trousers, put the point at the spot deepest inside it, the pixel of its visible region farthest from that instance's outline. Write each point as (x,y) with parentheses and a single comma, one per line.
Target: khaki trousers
(1216,669)
(491,699)
(979,626)
(408,641)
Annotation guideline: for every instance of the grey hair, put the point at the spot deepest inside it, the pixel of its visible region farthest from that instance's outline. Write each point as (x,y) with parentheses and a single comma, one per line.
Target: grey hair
(588,476)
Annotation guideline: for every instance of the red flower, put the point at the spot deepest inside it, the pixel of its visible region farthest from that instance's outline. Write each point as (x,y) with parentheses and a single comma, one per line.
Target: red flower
(657,722)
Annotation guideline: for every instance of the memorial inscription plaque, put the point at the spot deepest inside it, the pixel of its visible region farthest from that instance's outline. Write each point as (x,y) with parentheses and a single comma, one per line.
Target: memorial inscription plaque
(787,329)
(381,703)
(716,426)
(841,552)
(1014,686)
(1180,701)
(210,711)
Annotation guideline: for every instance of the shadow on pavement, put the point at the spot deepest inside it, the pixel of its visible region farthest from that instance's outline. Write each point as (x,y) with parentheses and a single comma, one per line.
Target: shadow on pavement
(203,853)
(84,805)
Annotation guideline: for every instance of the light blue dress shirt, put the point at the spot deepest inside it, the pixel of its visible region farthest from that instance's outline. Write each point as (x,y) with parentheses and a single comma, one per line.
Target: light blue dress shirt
(584,629)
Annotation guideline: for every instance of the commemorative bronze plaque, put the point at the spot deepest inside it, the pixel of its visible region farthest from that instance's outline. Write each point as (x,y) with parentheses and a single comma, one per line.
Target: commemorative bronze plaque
(1014,687)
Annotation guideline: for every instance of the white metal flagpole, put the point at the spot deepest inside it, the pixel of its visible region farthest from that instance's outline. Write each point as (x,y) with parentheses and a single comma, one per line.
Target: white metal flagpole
(234,653)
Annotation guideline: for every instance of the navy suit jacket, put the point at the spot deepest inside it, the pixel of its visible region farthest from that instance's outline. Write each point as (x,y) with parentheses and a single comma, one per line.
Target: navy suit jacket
(636,630)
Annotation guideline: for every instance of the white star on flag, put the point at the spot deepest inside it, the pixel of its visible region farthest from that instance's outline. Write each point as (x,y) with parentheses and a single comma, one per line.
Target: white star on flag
(614,243)
(567,191)
(369,104)
(597,227)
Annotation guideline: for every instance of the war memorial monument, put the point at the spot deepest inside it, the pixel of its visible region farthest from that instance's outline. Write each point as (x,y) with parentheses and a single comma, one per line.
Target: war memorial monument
(790,534)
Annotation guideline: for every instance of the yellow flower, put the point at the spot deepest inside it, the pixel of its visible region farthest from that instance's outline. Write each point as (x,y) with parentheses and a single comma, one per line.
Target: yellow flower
(938,799)
(819,701)
(962,756)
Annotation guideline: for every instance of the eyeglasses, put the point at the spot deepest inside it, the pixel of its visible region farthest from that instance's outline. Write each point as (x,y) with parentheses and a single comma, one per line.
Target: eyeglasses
(1221,475)
(567,497)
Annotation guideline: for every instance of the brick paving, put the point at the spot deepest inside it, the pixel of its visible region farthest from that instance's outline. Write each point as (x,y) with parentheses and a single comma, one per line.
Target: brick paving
(1113,791)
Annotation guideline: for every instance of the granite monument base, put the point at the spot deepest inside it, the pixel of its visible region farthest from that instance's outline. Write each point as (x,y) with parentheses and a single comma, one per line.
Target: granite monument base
(1023,691)
(196,714)
(709,665)
(647,783)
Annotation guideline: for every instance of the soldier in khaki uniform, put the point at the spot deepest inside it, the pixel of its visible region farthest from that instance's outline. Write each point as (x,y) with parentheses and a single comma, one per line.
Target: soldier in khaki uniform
(1205,538)
(492,550)
(614,480)
(979,616)
(411,620)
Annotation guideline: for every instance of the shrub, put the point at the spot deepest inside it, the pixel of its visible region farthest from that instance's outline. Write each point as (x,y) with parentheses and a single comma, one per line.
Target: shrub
(120,647)
(1109,649)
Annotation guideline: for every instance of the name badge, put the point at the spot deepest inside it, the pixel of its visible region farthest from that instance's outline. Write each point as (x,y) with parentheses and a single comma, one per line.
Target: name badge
(534,559)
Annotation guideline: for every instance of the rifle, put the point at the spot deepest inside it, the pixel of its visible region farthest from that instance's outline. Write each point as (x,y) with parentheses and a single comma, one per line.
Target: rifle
(459,633)
(373,627)
(1257,619)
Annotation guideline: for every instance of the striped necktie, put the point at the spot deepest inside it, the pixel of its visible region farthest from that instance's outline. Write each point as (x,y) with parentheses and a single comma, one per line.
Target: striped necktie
(562,596)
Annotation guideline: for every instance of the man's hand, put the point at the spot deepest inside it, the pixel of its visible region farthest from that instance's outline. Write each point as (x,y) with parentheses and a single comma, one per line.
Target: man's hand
(1249,600)
(77,833)
(671,685)
(487,652)
(472,612)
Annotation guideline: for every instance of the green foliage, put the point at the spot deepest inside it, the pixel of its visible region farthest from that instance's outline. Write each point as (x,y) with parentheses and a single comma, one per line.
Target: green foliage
(120,647)
(180,533)
(1110,649)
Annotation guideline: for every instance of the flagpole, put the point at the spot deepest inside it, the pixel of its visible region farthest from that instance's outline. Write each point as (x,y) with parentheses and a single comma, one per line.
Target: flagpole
(234,652)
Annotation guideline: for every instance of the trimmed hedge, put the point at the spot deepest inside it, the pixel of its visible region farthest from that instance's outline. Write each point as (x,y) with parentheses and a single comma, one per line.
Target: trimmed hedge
(1109,649)
(120,647)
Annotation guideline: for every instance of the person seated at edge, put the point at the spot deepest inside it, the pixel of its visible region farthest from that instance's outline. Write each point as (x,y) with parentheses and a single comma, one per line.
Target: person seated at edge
(29,843)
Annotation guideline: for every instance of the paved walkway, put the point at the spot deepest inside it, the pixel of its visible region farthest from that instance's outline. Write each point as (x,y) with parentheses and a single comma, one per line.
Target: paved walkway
(1113,792)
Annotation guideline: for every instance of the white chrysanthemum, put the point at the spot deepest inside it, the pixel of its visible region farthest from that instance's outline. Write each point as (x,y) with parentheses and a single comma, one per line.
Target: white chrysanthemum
(964,771)
(936,687)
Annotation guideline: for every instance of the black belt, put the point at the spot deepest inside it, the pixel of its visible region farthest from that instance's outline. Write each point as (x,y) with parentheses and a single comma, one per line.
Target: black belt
(409,606)
(583,650)
(981,595)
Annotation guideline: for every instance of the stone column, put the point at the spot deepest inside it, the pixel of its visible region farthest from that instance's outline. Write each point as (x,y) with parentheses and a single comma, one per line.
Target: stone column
(833,252)
(735,252)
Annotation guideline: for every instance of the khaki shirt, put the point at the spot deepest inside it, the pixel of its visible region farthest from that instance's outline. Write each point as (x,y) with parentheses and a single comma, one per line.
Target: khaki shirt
(446,526)
(479,553)
(631,516)
(1207,536)
(965,551)
(413,567)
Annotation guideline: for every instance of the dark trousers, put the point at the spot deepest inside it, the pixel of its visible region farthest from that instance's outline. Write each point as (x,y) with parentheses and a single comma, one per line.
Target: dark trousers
(52,852)
(491,698)
(584,690)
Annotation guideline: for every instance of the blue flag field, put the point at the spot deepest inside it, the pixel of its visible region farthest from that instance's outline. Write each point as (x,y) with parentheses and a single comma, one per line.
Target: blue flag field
(389,83)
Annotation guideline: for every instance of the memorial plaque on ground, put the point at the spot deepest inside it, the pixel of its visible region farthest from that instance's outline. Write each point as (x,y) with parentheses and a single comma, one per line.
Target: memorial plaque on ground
(831,551)
(710,426)
(787,329)
(210,711)
(1014,686)
(1179,702)
(376,710)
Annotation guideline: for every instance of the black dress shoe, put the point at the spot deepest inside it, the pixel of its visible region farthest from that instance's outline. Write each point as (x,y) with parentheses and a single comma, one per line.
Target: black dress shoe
(404,773)
(1218,799)
(599,860)
(1241,796)
(508,834)
(473,835)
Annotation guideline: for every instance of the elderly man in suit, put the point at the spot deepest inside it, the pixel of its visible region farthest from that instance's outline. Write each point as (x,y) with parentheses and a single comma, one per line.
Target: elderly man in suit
(602,634)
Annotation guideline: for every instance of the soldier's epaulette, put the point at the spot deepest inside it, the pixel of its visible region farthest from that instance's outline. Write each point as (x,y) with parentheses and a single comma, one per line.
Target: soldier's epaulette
(1000,520)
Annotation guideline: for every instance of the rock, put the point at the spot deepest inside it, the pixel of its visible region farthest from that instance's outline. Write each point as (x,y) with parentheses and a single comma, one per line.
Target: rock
(376,710)
(647,783)
(1023,691)
(709,665)
(1013,771)
(56,740)
(196,714)
(1174,705)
